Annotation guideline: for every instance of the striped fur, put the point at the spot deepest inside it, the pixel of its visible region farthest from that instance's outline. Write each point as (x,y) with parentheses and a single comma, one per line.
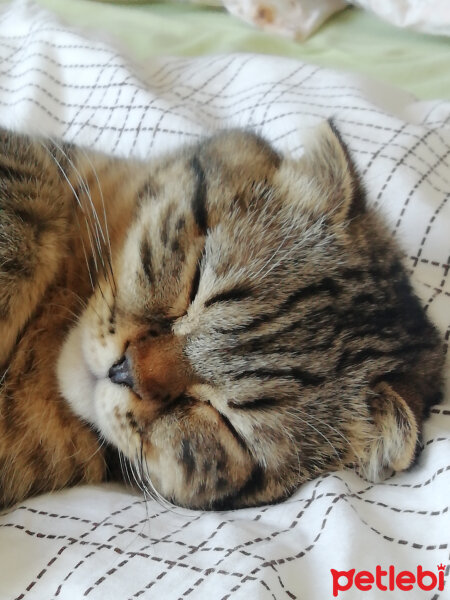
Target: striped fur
(232,321)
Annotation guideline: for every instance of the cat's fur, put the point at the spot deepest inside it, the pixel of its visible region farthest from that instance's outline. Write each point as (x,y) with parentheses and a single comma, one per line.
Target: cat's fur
(234,321)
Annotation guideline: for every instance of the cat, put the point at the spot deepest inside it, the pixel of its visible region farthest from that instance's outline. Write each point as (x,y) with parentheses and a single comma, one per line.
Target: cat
(231,321)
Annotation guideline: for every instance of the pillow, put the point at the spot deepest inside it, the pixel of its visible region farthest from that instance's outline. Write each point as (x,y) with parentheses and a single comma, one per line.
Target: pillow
(428,16)
(292,18)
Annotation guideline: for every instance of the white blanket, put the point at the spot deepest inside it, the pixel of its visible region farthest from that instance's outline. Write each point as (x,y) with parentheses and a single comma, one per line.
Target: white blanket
(103,542)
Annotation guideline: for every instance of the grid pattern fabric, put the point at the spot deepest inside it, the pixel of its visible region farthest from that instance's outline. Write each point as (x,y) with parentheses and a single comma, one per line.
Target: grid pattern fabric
(104,542)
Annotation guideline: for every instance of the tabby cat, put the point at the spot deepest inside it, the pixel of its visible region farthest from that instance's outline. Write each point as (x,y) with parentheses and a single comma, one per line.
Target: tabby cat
(232,321)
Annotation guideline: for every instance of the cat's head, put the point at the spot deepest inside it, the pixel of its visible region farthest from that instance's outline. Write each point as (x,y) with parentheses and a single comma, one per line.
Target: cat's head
(218,358)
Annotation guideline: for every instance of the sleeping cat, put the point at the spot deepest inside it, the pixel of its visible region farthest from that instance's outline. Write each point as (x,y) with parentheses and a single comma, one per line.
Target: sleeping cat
(232,321)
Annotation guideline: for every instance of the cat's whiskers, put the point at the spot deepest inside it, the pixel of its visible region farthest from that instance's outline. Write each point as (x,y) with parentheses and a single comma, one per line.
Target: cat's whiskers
(102,199)
(64,174)
(121,463)
(146,481)
(137,480)
(130,464)
(85,254)
(126,465)
(124,468)
(130,467)
(81,301)
(148,494)
(91,243)
(96,451)
(73,318)
(94,229)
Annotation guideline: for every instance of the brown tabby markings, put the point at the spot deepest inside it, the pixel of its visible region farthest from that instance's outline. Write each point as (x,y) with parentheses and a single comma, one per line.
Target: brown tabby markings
(234,322)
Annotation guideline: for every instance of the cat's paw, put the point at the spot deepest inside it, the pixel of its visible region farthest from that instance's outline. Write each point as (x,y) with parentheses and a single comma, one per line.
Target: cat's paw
(395,438)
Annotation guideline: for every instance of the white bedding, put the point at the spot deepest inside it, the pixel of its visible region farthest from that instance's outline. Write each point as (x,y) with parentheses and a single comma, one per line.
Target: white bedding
(103,542)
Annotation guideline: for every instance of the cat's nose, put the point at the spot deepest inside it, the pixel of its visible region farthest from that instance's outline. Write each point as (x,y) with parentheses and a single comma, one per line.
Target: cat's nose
(120,372)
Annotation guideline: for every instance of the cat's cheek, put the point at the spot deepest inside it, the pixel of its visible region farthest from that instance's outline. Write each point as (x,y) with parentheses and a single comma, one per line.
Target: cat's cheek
(100,349)
(76,382)
(111,406)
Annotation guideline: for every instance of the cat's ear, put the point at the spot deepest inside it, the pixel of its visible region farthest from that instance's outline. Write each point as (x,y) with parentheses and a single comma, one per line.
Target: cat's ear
(332,175)
(396,433)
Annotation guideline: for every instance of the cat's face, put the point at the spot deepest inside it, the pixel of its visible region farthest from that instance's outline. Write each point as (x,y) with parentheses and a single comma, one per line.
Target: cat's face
(209,357)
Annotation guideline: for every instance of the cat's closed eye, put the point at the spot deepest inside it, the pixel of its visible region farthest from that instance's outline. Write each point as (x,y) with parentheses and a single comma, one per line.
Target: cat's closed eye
(195,282)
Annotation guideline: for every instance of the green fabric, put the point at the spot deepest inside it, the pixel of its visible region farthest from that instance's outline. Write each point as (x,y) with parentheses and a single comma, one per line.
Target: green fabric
(351,40)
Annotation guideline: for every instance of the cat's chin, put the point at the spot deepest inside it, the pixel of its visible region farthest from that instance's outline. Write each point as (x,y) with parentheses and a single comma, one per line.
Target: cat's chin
(76,381)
